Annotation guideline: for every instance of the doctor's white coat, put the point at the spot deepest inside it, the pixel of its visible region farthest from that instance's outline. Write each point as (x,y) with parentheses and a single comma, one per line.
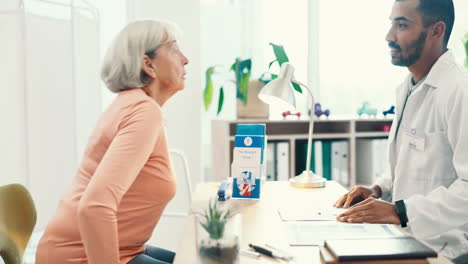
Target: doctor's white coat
(430,173)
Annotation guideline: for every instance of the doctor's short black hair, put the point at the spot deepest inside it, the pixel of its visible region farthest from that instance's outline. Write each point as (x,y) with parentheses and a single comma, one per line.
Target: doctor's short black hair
(438,10)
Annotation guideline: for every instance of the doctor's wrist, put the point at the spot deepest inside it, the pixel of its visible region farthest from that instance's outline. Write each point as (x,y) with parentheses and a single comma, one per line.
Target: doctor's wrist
(401,212)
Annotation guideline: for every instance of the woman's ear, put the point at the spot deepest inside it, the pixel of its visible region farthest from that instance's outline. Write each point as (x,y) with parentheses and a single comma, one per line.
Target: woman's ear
(148,66)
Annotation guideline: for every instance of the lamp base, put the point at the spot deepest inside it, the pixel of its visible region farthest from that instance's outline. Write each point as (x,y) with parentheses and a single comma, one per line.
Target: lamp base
(308,179)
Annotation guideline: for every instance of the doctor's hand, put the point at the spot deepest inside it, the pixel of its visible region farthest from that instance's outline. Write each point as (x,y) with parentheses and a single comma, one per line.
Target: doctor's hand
(371,210)
(358,194)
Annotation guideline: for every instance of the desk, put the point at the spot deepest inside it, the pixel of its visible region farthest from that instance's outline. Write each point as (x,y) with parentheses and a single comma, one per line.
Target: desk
(261,222)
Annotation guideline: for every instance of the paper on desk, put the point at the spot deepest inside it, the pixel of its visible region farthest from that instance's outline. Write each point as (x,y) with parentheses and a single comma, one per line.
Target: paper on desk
(304,214)
(312,233)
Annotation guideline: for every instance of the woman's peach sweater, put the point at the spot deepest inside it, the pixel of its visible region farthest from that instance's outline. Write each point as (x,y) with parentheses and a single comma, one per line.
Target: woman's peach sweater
(124,182)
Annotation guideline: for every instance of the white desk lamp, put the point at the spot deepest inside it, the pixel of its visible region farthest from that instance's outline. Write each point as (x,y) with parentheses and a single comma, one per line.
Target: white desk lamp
(280,92)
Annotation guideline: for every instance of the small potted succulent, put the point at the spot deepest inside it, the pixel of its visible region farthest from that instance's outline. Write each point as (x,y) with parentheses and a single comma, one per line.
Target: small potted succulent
(215,245)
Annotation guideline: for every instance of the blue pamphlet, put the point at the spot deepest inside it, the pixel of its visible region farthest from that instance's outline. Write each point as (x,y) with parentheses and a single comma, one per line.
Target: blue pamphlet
(248,161)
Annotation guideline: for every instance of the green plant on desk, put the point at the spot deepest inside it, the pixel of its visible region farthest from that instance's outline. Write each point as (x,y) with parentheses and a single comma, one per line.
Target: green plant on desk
(215,220)
(218,246)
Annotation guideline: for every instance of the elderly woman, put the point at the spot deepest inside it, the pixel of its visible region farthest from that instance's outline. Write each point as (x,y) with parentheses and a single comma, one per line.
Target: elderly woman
(125,179)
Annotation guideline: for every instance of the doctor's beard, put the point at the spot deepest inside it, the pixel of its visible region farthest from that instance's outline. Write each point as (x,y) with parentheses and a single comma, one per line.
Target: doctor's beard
(413,50)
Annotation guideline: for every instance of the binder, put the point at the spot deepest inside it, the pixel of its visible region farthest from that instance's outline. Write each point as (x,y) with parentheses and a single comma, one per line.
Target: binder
(395,248)
(318,157)
(328,258)
(282,161)
(271,174)
(340,162)
(371,160)
(326,160)
(301,156)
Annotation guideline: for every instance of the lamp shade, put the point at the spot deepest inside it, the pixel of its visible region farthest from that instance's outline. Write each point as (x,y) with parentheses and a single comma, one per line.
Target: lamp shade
(279,91)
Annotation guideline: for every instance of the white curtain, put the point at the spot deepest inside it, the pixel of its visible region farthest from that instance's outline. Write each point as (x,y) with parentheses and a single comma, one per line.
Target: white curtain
(50,94)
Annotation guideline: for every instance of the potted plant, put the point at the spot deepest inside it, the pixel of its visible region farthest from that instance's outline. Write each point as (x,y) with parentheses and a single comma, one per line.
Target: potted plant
(241,69)
(248,104)
(214,243)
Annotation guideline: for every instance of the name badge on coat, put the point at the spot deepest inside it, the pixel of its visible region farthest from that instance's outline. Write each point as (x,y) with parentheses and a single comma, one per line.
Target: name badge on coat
(415,141)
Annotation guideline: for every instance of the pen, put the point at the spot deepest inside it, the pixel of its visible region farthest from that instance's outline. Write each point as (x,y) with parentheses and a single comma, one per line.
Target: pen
(263,251)
(249,253)
(286,255)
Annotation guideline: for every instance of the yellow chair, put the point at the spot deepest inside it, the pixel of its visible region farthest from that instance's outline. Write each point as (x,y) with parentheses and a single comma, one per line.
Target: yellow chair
(17,221)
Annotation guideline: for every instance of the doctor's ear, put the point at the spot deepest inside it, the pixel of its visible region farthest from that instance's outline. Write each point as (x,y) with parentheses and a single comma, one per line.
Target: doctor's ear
(148,67)
(438,30)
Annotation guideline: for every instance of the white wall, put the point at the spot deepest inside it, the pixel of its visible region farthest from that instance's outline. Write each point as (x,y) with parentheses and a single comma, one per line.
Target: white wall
(182,112)
(51,97)
(112,20)
(12,133)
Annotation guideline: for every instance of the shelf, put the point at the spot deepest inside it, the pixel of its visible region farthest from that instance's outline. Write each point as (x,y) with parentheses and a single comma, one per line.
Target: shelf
(292,131)
(289,127)
(305,136)
(372,134)
(373,125)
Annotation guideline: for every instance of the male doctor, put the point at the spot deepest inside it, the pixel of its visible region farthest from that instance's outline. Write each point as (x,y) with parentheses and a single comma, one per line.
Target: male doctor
(427,188)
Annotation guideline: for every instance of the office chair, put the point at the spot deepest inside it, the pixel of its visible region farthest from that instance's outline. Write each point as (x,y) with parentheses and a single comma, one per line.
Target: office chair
(17,221)
(168,232)
(180,167)
(463,259)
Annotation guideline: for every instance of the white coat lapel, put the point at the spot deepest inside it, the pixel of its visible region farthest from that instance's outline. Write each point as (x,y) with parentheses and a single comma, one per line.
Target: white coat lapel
(401,93)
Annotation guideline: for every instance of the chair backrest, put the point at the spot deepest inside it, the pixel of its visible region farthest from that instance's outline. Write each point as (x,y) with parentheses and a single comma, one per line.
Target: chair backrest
(17,220)
(169,230)
(180,205)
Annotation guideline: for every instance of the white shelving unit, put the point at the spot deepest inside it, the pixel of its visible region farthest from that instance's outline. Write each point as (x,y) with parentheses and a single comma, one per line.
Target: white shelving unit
(291,131)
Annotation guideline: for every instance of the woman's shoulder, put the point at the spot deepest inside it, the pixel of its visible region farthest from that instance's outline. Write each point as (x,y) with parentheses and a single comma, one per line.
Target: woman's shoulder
(135,104)
(136,99)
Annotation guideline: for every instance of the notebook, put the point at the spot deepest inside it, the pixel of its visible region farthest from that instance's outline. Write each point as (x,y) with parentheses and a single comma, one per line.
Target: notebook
(379,248)
(327,258)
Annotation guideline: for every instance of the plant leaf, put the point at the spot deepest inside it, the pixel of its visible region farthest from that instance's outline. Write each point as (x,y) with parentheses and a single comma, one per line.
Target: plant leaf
(241,68)
(296,87)
(280,54)
(221,100)
(215,220)
(281,57)
(271,63)
(466,49)
(244,87)
(208,91)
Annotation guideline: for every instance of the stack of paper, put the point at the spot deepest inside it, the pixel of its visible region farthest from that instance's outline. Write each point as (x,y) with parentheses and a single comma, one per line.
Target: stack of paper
(314,233)
(304,214)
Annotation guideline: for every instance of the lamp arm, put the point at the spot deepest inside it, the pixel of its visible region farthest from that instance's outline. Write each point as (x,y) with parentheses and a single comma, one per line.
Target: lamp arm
(311,123)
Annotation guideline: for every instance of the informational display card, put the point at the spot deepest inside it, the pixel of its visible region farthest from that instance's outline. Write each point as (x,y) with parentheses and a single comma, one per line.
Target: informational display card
(248,165)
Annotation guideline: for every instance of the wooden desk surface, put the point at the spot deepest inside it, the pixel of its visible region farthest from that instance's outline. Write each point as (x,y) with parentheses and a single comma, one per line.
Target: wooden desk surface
(261,222)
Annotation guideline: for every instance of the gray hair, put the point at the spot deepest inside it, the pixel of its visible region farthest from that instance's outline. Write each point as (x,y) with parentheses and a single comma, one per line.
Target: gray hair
(122,66)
